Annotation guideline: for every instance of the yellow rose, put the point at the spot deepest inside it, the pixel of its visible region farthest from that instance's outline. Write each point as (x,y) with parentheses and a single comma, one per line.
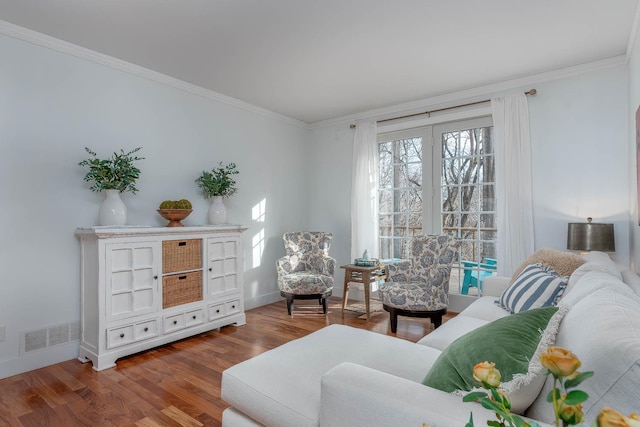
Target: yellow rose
(611,418)
(560,361)
(487,374)
(571,414)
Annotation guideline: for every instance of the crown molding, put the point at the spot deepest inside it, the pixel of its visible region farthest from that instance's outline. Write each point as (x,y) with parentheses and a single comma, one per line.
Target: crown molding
(62,46)
(473,94)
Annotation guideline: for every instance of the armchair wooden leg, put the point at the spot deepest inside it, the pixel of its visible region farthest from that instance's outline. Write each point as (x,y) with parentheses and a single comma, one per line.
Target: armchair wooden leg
(393,320)
(324,305)
(289,299)
(437,320)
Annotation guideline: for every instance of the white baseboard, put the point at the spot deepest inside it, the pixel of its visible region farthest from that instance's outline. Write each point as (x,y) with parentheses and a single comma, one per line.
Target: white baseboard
(39,359)
(261,300)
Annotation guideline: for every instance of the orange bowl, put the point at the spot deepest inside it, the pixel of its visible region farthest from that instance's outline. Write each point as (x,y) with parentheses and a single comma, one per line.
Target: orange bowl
(174,216)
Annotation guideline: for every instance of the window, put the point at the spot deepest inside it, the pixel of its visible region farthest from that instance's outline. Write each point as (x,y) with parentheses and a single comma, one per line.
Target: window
(441,179)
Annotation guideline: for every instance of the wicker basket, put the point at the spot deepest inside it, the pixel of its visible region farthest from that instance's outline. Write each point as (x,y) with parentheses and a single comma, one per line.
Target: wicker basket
(180,289)
(181,255)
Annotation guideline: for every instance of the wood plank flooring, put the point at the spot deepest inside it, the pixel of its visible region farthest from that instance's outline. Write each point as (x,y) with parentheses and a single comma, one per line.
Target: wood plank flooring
(173,385)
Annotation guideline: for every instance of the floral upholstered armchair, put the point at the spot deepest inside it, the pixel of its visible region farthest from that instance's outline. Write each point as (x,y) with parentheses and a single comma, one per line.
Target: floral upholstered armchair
(419,287)
(306,271)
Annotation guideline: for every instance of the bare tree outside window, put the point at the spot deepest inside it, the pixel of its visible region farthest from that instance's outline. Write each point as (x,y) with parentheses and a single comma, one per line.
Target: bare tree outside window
(466,197)
(468,191)
(400,196)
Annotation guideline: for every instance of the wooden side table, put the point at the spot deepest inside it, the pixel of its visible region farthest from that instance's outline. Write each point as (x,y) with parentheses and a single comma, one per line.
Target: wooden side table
(364,275)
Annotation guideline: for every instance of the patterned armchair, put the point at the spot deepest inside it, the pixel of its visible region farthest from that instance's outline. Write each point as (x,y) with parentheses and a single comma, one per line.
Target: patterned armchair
(306,271)
(419,287)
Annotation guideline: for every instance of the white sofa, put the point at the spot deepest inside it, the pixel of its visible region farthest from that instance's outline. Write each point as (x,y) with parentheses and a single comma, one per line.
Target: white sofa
(343,376)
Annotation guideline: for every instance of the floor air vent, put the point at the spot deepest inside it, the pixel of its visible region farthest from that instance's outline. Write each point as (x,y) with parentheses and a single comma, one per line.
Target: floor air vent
(49,337)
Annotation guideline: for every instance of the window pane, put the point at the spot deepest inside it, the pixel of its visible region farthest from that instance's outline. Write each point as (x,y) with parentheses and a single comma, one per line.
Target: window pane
(400,183)
(385,204)
(468,202)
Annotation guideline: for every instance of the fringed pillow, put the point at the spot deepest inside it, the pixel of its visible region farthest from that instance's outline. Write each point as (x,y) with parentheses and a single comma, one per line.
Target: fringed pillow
(514,343)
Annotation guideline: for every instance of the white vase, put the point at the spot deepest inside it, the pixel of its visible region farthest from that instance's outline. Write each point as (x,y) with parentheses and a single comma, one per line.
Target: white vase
(217,211)
(112,210)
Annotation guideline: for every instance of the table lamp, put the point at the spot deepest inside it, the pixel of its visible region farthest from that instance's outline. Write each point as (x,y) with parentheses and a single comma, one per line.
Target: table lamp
(589,236)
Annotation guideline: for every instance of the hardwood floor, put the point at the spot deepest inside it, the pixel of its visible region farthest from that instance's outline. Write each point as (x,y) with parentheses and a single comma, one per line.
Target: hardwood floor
(174,385)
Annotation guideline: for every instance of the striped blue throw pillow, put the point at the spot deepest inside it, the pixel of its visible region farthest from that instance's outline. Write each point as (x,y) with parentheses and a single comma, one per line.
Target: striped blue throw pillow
(536,286)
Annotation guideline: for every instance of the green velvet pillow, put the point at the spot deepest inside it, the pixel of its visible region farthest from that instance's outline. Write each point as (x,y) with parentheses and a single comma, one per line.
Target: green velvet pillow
(514,343)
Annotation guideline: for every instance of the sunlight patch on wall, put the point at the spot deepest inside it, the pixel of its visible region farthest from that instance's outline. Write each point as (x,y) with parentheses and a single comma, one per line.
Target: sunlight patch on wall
(258,214)
(259,211)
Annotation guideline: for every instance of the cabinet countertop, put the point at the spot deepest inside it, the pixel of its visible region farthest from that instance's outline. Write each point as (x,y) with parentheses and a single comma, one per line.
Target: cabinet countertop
(137,230)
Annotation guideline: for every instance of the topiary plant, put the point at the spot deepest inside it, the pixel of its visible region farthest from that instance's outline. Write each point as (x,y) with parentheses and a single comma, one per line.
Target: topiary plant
(218,182)
(182,204)
(168,204)
(117,173)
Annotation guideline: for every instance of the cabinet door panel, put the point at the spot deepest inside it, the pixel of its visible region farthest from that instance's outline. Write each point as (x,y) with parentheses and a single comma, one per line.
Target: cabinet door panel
(121,281)
(143,278)
(121,303)
(223,266)
(143,300)
(230,265)
(216,250)
(231,282)
(131,278)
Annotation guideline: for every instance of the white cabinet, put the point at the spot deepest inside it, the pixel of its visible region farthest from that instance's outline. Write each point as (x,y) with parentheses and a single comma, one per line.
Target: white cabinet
(146,286)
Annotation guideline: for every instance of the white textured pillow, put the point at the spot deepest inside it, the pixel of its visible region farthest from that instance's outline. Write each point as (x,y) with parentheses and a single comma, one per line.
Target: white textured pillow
(585,268)
(536,286)
(605,262)
(593,281)
(602,330)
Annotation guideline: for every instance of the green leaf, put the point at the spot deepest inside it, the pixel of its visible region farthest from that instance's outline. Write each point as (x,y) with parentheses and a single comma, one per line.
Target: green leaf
(574,382)
(576,396)
(550,395)
(496,396)
(474,396)
(488,404)
(494,423)
(470,423)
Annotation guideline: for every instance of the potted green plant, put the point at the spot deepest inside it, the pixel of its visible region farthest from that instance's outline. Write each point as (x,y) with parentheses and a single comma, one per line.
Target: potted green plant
(115,175)
(216,184)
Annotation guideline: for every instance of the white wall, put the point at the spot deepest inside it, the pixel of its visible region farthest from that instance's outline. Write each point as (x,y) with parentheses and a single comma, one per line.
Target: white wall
(579,143)
(52,105)
(579,146)
(634,104)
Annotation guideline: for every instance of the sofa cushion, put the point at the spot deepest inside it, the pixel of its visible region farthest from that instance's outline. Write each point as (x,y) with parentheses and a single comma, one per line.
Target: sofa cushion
(564,263)
(442,337)
(282,386)
(585,268)
(484,308)
(603,330)
(591,282)
(513,343)
(604,261)
(536,286)
(632,279)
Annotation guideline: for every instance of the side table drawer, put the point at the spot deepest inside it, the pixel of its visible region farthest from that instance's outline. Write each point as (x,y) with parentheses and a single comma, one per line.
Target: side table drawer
(216,311)
(194,317)
(119,336)
(173,323)
(145,330)
(233,307)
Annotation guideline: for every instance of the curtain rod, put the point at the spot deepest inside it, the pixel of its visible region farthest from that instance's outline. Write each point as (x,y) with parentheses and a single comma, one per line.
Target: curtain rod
(529,92)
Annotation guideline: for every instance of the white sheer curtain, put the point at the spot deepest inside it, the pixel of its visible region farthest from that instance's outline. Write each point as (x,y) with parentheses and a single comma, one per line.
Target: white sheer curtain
(364,191)
(513,181)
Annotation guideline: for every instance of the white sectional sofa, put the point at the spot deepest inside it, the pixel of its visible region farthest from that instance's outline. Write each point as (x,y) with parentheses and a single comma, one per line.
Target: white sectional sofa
(343,376)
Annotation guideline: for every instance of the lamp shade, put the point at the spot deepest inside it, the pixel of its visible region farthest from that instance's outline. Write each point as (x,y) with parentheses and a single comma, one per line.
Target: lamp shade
(588,236)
